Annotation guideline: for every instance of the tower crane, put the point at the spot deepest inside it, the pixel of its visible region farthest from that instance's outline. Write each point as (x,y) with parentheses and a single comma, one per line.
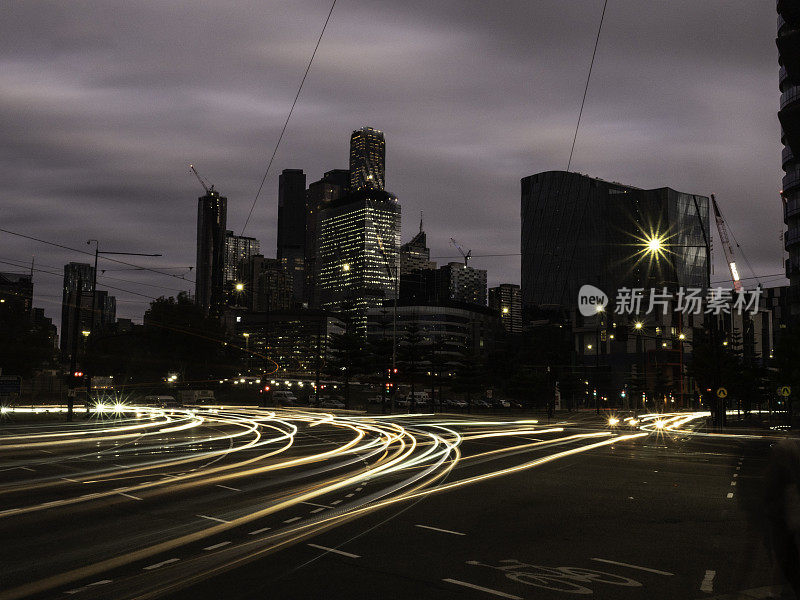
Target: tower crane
(467,255)
(726,245)
(206,187)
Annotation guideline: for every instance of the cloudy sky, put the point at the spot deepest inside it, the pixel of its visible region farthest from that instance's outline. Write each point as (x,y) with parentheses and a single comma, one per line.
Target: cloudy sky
(103,105)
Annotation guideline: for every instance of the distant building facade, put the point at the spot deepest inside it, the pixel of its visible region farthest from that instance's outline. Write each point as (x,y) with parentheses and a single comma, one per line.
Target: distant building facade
(16,293)
(76,292)
(506,301)
(297,341)
(359,244)
(266,285)
(415,254)
(579,230)
(367,160)
(212,214)
(238,249)
(335,184)
(292,227)
(789,117)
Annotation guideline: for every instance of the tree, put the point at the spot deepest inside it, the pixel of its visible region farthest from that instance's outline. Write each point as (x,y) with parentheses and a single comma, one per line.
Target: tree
(25,347)
(348,358)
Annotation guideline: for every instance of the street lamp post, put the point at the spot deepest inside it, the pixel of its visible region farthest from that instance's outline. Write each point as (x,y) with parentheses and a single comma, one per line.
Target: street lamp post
(92,315)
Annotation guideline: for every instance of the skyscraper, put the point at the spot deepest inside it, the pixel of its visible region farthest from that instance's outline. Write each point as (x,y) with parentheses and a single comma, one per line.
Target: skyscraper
(415,254)
(367,160)
(579,230)
(238,249)
(358,253)
(506,301)
(292,227)
(212,210)
(334,184)
(77,276)
(459,282)
(789,117)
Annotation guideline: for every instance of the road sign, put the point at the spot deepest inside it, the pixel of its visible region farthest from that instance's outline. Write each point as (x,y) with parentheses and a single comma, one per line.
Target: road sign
(784,391)
(722,393)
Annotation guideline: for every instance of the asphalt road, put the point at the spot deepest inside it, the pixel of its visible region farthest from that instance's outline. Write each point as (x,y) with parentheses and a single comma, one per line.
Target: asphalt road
(256,504)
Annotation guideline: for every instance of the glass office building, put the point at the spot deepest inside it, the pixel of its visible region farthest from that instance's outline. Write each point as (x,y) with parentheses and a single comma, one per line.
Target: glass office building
(579,230)
(367,159)
(359,239)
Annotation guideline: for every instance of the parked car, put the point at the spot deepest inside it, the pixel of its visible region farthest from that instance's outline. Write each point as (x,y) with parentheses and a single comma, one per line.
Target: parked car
(498,403)
(455,404)
(481,404)
(331,402)
(284,397)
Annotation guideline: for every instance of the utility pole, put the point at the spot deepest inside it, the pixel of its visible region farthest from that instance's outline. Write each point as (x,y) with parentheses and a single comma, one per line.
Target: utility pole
(73,359)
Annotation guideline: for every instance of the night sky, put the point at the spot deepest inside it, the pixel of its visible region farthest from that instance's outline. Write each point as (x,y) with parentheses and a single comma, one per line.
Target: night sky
(104,105)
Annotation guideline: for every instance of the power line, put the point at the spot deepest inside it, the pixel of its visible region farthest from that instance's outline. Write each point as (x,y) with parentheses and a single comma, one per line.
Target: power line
(289,116)
(586,88)
(114,260)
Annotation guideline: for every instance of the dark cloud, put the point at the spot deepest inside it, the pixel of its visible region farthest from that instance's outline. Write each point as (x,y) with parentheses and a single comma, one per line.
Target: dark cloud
(105,103)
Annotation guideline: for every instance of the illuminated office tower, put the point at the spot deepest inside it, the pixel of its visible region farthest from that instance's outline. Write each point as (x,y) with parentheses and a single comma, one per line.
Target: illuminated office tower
(358,254)
(367,160)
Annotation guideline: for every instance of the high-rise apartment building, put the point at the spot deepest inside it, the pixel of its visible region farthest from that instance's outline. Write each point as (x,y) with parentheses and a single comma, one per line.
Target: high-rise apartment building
(334,184)
(16,293)
(212,211)
(238,249)
(506,301)
(358,253)
(292,227)
(788,42)
(367,160)
(579,230)
(462,283)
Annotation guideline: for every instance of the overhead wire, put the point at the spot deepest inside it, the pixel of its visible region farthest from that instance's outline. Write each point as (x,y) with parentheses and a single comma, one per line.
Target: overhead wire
(289,116)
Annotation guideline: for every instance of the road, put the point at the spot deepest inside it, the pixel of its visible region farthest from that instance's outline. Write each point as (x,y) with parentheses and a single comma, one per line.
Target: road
(238,502)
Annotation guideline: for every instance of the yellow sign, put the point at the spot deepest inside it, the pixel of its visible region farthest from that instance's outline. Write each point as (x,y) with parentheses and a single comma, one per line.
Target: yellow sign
(722,393)
(784,391)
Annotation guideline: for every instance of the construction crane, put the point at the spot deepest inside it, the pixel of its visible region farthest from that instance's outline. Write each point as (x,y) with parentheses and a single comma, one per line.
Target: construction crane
(726,245)
(206,187)
(467,255)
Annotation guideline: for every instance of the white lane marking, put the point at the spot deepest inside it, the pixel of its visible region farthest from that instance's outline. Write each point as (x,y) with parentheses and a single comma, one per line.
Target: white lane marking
(737,468)
(442,530)
(80,589)
(735,474)
(335,551)
(131,496)
(359,489)
(730,495)
(27,469)
(257,531)
(315,504)
(292,520)
(630,566)
(70,480)
(482,589)
(708,582)
(227,487)
(213,519)
(161,564)
(316,510)
(336,502)
(733,483)
(215,546)
(349,495)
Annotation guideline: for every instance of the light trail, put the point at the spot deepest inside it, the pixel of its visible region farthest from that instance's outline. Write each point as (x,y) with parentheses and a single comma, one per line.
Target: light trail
(279,459)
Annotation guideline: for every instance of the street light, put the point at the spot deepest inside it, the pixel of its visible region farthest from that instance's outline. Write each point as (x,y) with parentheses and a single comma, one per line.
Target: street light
(239,287)
(638,325)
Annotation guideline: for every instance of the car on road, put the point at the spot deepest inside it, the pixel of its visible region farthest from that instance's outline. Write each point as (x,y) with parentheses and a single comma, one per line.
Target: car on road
(498,403)
(481,404)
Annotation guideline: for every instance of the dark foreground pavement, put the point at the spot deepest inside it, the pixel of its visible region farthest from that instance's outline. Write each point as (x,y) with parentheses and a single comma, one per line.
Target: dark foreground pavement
(641,519)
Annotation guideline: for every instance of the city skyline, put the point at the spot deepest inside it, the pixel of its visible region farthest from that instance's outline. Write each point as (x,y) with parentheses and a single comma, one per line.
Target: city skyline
(124,178)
